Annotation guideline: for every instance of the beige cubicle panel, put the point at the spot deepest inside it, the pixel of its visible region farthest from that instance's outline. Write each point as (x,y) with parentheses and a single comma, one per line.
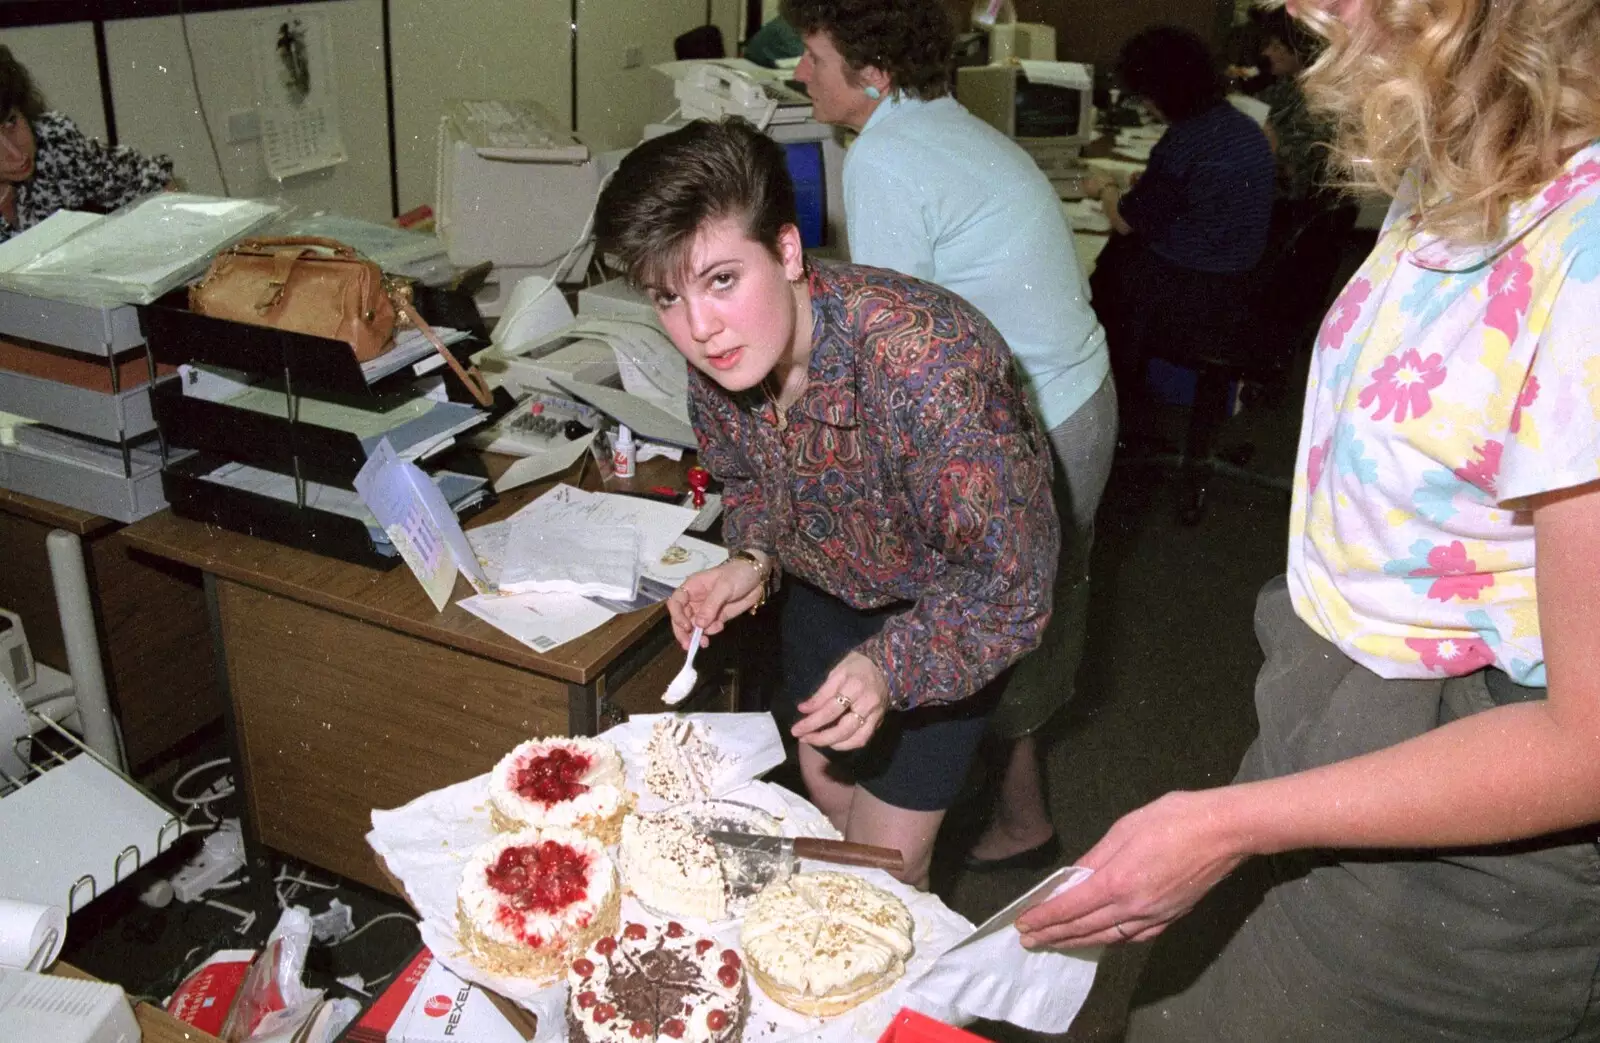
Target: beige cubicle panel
(156,108)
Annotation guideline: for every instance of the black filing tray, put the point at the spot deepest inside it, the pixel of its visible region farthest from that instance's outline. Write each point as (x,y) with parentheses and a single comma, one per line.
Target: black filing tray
(299,366)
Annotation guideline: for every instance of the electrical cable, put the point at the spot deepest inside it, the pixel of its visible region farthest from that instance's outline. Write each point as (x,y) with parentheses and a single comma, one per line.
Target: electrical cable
(199,103)
(359,931)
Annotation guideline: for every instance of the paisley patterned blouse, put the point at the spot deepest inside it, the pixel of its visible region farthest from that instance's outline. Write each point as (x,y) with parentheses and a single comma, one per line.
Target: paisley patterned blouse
(911,469)
(74,172)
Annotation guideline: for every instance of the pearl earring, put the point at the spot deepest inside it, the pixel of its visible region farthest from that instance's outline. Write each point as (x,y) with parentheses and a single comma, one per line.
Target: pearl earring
(872,92)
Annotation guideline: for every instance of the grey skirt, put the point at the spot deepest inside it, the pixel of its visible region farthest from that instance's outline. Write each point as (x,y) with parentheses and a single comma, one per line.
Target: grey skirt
(1482,944)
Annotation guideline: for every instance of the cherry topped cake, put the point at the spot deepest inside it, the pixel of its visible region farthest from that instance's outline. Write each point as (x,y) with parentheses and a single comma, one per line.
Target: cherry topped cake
(569,782)
(531,899)
(659,982)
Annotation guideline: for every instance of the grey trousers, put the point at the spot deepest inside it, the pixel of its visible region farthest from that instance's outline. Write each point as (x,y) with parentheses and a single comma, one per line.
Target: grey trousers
(1082,447)
(1485,944)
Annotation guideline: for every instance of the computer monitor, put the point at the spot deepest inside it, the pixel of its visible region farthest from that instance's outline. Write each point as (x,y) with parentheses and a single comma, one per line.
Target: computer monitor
(809,173)
(1045,106)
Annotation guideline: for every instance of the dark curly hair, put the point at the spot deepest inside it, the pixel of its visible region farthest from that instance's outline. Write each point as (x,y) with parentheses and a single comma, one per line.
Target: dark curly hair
(17,90)
(910,40)
(668,188)
(1174,69)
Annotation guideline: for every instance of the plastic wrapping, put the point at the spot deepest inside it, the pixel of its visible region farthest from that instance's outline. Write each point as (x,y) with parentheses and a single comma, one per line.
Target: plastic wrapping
(141,251)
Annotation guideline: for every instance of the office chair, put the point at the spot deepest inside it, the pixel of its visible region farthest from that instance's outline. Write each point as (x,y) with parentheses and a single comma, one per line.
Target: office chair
(699,43)
(1255,344)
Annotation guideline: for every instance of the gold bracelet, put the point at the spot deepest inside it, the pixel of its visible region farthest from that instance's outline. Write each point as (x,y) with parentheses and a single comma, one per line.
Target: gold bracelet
(763,574)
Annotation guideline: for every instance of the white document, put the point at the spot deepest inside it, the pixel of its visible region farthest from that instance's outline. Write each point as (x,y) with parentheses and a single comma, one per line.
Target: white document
(419,522)
(643,417)
(544,463)
(659,524)
(1255,108)
(533,313)
(541,621)
(1072,75)
(297,94)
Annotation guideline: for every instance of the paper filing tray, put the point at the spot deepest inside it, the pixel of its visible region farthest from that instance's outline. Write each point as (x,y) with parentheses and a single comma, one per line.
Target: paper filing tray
(124,498)
(305,363)
(318,454)
(308,528)
(89,328)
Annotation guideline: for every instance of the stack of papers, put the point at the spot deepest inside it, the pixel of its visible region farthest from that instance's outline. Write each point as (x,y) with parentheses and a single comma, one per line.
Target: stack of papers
(411,348)
(140,252)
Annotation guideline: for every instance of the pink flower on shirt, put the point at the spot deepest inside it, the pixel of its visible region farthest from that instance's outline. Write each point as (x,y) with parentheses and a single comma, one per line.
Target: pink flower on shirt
(1452,656)
(1484,470)
(1530,392)
(1458,575)
(1572,182)
(1316,461)
(1401,385)
(1342,316)
(1510,290)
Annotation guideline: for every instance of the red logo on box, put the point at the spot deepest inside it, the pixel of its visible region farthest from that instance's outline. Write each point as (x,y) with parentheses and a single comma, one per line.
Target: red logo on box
(437,1006)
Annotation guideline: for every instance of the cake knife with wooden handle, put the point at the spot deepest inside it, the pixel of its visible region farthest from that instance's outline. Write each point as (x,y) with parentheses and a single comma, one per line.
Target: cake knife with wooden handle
(750,861)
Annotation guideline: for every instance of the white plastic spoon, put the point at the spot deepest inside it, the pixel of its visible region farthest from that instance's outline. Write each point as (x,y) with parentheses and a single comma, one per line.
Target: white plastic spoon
(683,684)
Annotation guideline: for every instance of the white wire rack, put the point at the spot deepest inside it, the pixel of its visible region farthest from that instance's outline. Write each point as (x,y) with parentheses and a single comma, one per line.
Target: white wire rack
(74,825)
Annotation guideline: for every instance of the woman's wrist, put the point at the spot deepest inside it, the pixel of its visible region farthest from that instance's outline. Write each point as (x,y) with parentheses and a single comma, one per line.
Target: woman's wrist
(760,564)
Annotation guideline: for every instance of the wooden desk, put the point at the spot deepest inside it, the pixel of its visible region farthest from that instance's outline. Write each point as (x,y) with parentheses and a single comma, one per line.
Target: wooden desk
(348,691)
(147,614)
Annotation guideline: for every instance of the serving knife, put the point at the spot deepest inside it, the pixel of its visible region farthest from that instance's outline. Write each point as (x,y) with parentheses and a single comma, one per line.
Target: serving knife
(751,861)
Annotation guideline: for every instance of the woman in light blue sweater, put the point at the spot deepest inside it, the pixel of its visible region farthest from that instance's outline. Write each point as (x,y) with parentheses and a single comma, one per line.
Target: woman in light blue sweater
(934,192)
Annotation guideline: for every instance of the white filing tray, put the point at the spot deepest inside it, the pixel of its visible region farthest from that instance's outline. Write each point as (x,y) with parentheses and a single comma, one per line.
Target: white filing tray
(75,826)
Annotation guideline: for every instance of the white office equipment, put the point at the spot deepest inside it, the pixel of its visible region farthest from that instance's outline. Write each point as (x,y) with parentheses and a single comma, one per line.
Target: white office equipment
(514,189)
(63,1010)
(713,90)
(1046,107)
(646,419)
(615,299)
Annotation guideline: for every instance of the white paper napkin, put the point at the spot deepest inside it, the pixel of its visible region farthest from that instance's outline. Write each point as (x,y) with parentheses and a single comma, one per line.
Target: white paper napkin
(990,975)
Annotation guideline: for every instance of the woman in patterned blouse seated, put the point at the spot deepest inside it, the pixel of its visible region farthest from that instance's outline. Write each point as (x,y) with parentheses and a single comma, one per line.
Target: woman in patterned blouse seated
(875,447)
(47,164)
(1425,785)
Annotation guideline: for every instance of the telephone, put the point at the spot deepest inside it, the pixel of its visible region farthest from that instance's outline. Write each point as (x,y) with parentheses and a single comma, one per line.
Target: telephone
(712,91)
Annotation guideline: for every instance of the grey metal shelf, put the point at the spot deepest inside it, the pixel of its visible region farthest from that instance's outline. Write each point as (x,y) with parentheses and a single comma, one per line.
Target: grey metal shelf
(92,329)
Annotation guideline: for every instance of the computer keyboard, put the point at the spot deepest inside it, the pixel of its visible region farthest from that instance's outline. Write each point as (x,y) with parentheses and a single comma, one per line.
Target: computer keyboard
(517,130)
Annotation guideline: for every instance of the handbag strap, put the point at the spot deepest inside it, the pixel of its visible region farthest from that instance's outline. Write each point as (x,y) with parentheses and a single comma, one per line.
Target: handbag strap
(270,244)
(283,261)
(469,374)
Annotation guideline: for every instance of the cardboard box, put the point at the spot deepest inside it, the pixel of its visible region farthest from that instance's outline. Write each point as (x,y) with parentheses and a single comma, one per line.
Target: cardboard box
(428,1004)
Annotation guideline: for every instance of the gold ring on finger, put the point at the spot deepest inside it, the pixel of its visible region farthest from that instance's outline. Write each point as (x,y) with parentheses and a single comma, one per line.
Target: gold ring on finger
(858,717)
(842,701)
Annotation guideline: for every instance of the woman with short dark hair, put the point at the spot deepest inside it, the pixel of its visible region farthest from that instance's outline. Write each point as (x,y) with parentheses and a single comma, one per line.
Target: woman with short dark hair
(875,447)
(1195,224)
(932,191)
(47,164)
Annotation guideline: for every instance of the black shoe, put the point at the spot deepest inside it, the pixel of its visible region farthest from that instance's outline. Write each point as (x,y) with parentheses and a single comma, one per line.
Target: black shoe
(1040,856)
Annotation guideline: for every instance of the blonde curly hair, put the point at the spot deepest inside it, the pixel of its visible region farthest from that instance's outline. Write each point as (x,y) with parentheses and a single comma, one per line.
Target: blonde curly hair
(1483,99)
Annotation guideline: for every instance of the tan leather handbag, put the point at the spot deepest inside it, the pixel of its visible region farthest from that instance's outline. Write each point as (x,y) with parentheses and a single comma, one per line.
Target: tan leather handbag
(307,284)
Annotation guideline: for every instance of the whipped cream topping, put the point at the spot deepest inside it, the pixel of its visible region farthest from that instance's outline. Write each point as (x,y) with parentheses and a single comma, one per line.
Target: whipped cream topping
(558,782)
(536,887)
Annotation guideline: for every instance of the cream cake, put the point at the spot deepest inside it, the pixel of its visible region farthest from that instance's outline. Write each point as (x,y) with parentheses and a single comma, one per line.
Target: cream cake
(822,943)
(530,899)
(672,867)
(681,764)
(657,983)
(572,783)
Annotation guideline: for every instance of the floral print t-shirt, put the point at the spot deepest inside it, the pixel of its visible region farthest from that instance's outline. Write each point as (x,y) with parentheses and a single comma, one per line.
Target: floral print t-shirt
(1449,385)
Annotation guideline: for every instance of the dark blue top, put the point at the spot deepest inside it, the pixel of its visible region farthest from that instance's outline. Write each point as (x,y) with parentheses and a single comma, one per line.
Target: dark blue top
(1206,198)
